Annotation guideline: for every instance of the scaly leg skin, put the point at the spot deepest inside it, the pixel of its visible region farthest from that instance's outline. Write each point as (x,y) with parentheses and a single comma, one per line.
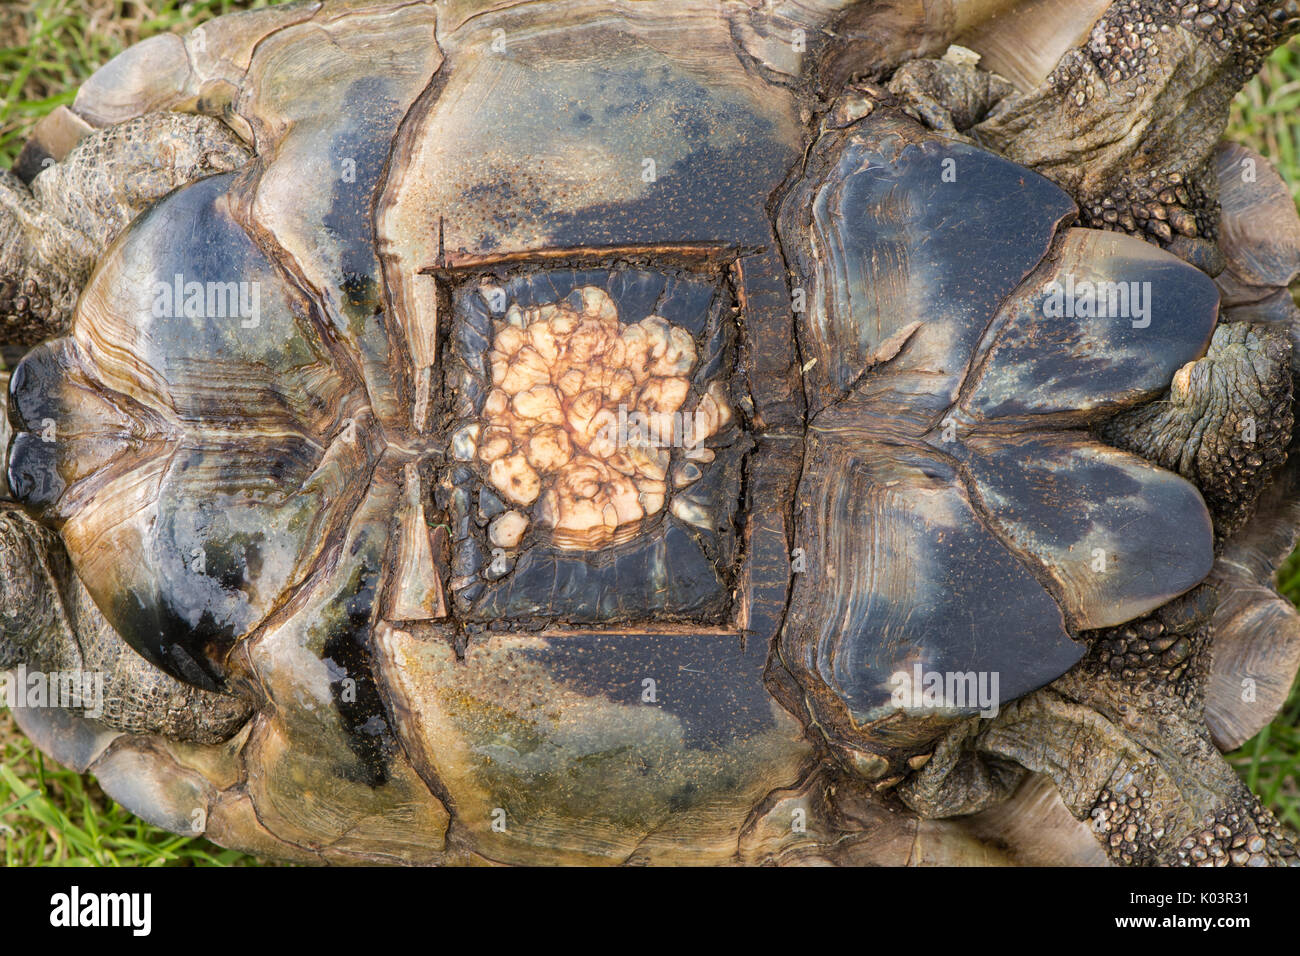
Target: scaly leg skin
(1124,739)
(1227,426)
(1225,423)
(950,97)
(1128,122)
(52,231)
(49,623)
(37,291)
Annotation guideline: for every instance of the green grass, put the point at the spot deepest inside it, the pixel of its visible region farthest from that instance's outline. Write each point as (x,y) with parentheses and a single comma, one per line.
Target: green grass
(1270,761)
(47,47)
(49,815)
(1266,116)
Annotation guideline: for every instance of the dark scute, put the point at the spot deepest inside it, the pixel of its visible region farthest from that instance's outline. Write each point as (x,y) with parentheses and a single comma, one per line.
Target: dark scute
(1060,498)
(346,653)
(34,477)
(489,505)
(662,574)
(213,509)
(1045,364)
(217,368)
(636,291)
(902,570)
(690,300)
(894,243)
(189,650)
(34,389)
(706,680)
(349,217)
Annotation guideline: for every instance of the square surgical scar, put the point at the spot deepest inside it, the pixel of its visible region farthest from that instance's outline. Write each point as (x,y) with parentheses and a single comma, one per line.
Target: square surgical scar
(596,447)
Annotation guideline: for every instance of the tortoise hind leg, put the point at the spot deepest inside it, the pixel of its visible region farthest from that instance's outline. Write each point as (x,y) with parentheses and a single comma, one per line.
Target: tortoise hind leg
(1123,737)
(1225,423)
(52,231)
(49,624)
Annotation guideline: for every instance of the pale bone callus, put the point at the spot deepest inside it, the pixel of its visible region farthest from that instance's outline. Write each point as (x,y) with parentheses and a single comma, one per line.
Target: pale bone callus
(583,416)
(507,529)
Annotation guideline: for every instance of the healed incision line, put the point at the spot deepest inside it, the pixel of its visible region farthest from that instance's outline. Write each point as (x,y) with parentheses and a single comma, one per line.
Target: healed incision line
(688,254)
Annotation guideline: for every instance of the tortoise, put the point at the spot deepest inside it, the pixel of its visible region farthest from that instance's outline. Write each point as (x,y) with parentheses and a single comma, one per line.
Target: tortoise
(690,432)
